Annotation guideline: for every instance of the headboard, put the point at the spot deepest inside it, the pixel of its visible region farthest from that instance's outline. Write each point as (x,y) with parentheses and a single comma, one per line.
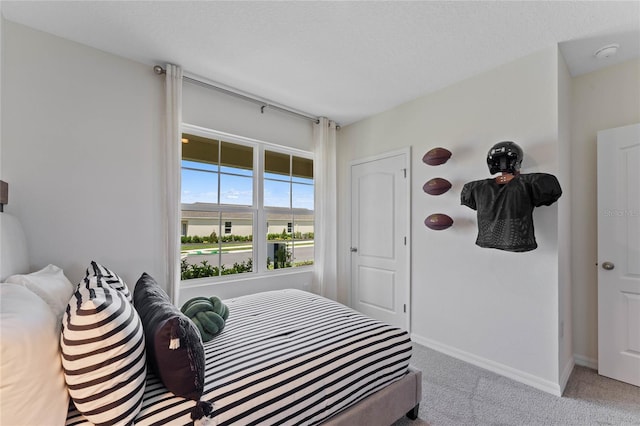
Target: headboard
(14,256)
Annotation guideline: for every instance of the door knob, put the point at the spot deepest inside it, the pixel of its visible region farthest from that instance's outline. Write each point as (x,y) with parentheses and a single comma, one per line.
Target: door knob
(608,265)
(354,249)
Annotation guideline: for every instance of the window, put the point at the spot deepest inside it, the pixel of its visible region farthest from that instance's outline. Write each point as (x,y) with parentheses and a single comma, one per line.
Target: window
(217,189)
(288,205)
(234,189)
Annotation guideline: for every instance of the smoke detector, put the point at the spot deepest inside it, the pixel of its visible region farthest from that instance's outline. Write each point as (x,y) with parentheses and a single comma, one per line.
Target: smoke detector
(606,51)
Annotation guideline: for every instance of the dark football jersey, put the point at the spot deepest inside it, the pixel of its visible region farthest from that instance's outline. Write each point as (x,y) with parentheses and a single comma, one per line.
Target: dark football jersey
(505,211)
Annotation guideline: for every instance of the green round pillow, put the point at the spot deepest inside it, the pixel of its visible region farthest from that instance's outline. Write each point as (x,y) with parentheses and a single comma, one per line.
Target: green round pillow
(208,314)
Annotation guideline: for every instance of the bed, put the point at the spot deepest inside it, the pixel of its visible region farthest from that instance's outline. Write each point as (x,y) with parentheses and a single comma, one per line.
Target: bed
(284,357)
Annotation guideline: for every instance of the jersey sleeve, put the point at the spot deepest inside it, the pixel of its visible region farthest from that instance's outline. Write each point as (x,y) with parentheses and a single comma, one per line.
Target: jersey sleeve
(467,197)
(545,190)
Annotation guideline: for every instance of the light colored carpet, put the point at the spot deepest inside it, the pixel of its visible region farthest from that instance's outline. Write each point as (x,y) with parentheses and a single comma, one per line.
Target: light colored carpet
(455,393)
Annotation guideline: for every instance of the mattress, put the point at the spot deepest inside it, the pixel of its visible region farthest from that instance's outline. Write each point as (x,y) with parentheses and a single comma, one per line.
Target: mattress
(285,357)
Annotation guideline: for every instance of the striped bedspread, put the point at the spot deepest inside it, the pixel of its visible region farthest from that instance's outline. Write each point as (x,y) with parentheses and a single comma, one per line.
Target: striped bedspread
(285,357)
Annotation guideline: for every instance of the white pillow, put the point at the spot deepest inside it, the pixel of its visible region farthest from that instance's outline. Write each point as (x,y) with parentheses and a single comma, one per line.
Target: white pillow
(103,353)
(50,285)
(32,386)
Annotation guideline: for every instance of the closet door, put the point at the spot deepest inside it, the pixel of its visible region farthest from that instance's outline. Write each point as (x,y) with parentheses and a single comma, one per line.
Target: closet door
(619,254)
(379,238)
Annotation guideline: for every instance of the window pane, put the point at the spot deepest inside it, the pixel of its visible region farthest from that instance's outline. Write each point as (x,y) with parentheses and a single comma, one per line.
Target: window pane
(276,193)
(303,246)
(303,253)
(197,165)
(278,163)
(200,149)
(302,168)
(279,246)
(275,176)
(200,246)
(236,171)
(209,250)
(199,187)
(236,190)
(237,246)
(302,196)
(302,180)
(228,162)
(236,156)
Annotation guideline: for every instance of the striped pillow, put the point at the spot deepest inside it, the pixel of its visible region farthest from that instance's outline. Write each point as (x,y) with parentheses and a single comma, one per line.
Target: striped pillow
(97,270)
(103,353)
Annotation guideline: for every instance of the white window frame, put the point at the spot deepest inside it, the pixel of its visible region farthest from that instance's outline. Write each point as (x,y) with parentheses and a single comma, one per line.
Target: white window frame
(258,210)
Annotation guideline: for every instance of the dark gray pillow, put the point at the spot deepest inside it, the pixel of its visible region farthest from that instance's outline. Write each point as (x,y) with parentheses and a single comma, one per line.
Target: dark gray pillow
(174,348)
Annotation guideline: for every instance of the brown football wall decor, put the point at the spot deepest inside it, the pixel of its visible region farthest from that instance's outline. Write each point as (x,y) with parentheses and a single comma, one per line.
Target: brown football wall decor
(437,186)
(438,221)
(436,156)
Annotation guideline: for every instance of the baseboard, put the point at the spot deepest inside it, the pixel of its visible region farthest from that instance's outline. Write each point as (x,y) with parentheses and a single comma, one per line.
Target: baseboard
(504,370)
(584,361)
(566,373)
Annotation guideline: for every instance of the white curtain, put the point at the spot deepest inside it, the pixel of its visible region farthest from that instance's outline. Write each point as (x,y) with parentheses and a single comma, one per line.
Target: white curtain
(173,152)
(325,206)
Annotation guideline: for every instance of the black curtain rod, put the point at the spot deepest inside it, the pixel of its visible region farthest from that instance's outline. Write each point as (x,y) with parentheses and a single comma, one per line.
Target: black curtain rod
(262,103)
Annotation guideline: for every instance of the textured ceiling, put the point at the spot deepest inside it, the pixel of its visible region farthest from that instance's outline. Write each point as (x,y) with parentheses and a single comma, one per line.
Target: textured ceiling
(344,60)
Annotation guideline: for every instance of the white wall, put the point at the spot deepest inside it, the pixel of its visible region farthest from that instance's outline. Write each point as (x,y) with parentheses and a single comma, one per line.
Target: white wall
(601,100)
(1,80)
(81,134)
(1,85)
(82,155)
(565,212)
(213,110)
(493,308)
(236,286)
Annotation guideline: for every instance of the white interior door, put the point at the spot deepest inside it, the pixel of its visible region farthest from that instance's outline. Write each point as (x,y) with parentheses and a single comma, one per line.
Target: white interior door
(379,238)
(619,253)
